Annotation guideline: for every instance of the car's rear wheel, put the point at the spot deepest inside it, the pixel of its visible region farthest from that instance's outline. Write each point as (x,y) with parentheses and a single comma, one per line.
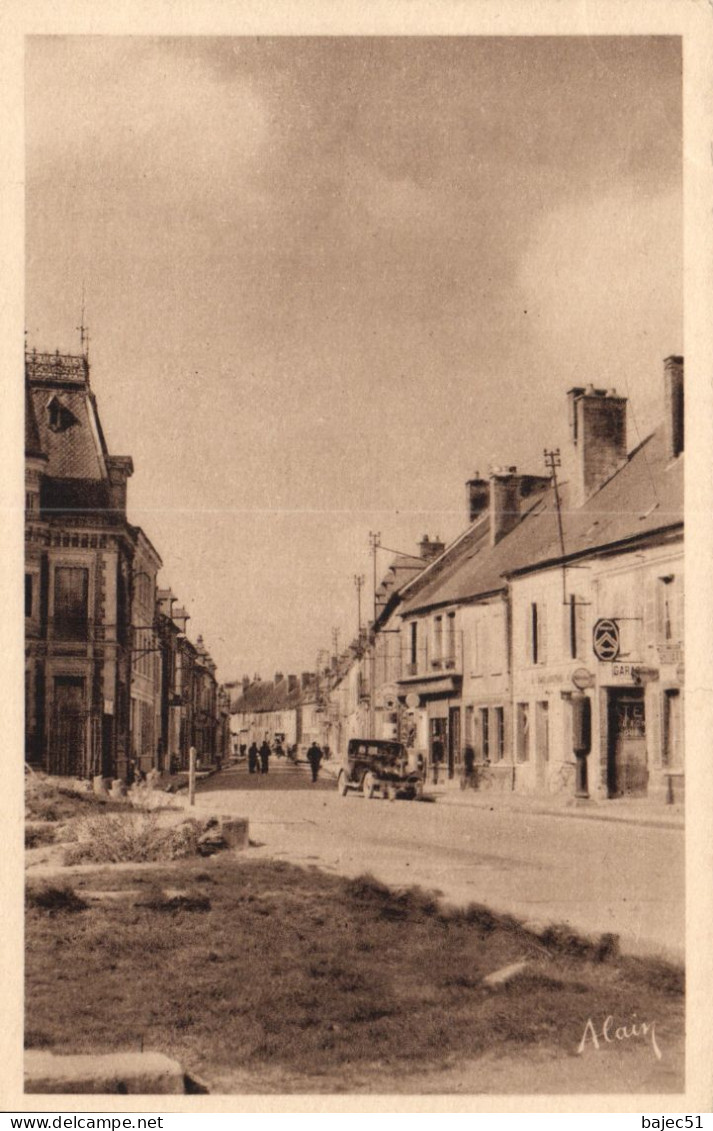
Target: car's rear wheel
(368,785)
(342,786)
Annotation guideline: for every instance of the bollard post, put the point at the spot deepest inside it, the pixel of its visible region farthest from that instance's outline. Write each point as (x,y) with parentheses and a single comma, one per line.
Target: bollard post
(192,776)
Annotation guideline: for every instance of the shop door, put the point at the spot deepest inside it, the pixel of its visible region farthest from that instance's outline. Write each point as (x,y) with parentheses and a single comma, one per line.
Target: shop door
(453,740)
(627,760)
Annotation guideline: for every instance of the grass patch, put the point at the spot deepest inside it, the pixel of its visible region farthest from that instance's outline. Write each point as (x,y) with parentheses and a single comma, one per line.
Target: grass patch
(54,899)
(39,834)
(292,970)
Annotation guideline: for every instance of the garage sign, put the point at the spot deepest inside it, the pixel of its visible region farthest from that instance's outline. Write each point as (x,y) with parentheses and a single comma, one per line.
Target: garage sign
(605,639)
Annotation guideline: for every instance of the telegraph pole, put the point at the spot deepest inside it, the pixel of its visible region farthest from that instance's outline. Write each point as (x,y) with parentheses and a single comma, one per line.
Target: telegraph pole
(358,584)
(552,462)
(374,543)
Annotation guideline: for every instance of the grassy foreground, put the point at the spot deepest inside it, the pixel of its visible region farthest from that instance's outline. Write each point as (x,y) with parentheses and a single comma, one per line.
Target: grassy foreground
(289,973)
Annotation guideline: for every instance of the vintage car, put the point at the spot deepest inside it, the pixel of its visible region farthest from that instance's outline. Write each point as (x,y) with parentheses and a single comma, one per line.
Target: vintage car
(378,768)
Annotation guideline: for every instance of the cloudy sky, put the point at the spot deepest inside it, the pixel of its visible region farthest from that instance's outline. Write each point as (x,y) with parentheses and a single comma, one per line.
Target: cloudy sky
(328,279)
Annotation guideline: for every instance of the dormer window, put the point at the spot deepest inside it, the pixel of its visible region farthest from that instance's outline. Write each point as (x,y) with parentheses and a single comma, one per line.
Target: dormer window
(59,416)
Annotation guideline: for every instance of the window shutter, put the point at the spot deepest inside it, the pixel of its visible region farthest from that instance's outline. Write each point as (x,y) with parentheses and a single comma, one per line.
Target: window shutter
(580,616)
(542,634)
(651,612)
(497,641)
(529,642)
(678,609)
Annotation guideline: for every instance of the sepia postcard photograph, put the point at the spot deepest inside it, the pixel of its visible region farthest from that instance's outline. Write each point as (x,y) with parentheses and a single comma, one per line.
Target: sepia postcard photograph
(357,754)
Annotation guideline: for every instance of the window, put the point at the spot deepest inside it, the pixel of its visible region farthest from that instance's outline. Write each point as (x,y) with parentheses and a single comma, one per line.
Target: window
(28,594)
(523,732)
(71,602)
(414,644)
(537,634)
(485,733)
(499,734)
(30,502)
(575,642)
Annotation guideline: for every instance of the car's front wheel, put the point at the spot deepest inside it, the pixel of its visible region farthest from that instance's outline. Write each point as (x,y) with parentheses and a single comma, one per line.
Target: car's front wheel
(342,786)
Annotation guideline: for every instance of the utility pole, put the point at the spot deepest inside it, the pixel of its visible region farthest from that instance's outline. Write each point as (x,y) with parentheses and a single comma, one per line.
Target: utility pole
(358,583)
(335,643)
(374,543)
(552,462)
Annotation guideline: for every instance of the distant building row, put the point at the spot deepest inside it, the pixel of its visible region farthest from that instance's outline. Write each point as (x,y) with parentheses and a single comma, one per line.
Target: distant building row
(111,677)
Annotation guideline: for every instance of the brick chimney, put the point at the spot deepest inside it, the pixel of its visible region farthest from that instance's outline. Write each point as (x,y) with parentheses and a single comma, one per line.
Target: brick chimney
(598,426)
(278,678)
(292,683)
(504,502)
(673,405)
(119,469)
(306,680)
(508,490)
(245,683)
(477,495)
(428,550)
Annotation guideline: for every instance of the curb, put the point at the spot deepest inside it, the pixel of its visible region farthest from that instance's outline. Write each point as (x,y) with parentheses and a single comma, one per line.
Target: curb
(645,820)
(122,1073)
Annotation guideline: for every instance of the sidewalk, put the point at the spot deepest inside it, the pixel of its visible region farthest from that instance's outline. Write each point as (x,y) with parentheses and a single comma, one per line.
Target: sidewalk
(636,812)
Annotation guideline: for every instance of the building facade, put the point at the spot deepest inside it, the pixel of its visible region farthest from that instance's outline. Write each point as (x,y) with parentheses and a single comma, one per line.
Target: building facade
(110,676)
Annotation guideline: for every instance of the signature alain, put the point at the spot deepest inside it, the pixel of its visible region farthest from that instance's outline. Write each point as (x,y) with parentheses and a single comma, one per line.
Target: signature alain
(608,1034)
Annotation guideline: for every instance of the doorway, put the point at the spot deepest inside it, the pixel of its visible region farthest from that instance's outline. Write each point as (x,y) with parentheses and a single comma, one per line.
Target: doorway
(453,740)
(627,760)
(542,743)
(68,753)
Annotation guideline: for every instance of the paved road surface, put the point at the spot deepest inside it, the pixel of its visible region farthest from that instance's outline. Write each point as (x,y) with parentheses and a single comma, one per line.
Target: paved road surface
(282,774)
(597,876)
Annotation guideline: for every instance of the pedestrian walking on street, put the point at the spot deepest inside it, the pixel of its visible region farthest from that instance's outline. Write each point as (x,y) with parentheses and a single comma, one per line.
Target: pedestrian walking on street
(265,757)
(252,758)
(314,757)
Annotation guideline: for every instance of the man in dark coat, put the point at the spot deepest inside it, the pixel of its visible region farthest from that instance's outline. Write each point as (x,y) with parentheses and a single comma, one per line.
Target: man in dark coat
(314,757)
(265,756)
(252,758)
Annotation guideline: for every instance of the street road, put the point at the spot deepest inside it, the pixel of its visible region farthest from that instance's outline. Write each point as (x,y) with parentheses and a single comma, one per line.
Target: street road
(282,774)
(598,876)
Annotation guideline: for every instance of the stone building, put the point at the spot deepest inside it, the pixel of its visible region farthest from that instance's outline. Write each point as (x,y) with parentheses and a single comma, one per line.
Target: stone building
(110,675)
(80,553)
(555,594)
